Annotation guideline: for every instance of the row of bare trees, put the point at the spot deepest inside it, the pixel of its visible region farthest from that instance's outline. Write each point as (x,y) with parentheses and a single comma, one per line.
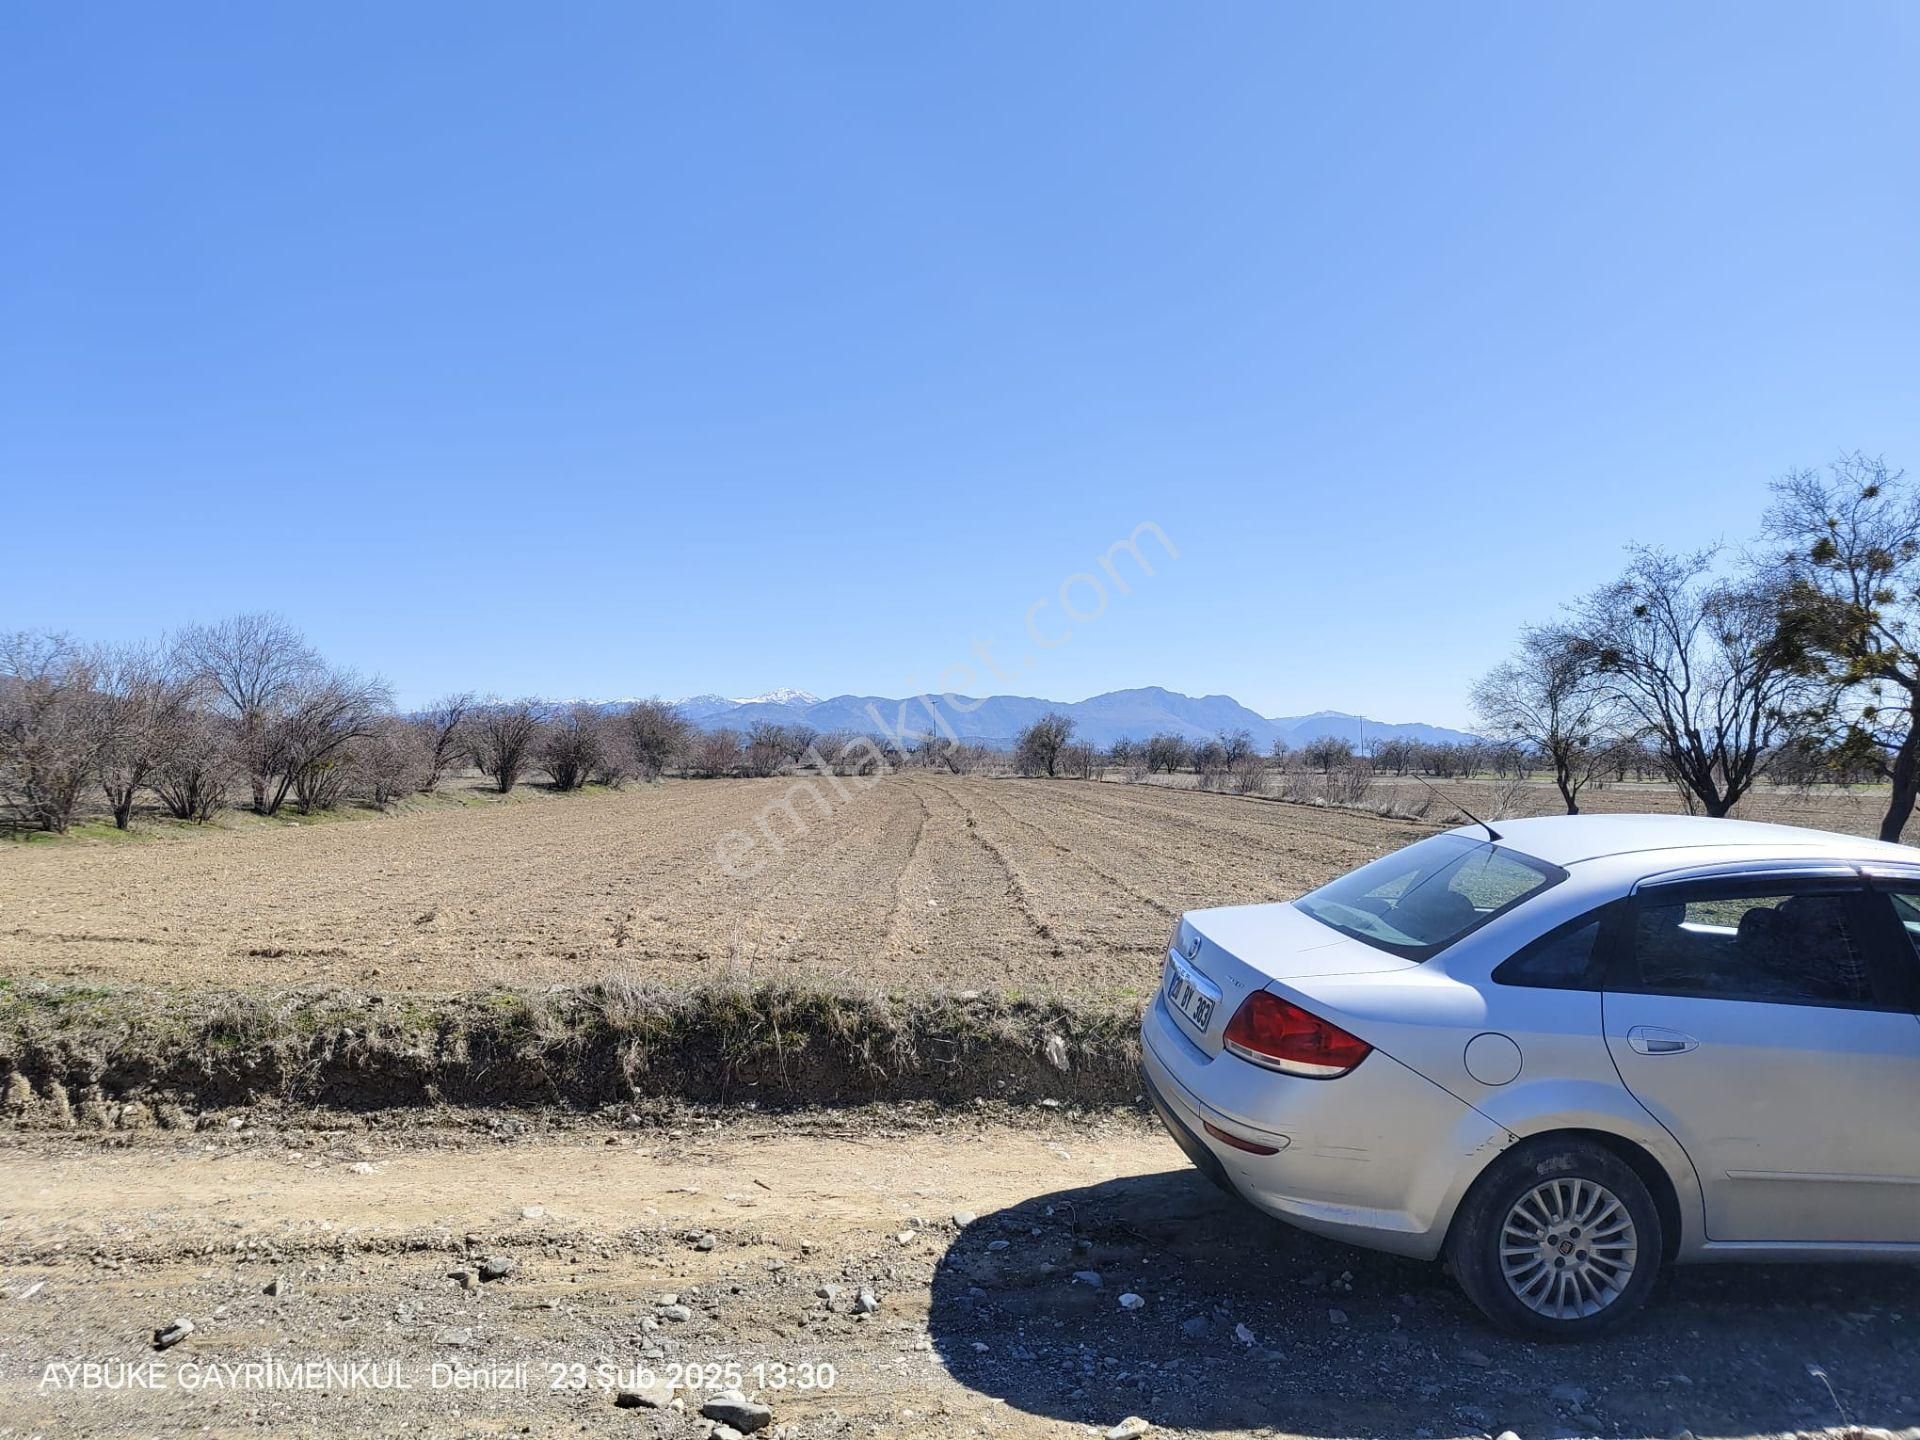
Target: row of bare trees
(247,712)
(1231,759)
(1796,657)
(242,704)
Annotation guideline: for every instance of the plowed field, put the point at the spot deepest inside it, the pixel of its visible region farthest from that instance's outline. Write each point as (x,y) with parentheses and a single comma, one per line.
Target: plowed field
(1034,886)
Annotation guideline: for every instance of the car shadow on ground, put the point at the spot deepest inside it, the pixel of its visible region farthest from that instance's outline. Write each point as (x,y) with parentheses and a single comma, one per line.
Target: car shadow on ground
(1245,1323)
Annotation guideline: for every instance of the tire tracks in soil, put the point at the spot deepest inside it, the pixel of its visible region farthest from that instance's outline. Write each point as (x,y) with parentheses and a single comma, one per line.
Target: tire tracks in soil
(956,927)
(1105,929)
(823,903)
(1016,886)
(1079,856)
(897,910)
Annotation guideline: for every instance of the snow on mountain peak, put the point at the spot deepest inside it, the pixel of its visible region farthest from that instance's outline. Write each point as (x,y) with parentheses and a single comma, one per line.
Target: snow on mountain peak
(786,695)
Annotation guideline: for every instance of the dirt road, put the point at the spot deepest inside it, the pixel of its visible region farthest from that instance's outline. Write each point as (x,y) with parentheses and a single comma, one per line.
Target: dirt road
(981,1327)
(1051,887)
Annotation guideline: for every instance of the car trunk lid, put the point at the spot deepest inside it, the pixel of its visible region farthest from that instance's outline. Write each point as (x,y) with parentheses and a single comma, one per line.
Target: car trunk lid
(1225,954)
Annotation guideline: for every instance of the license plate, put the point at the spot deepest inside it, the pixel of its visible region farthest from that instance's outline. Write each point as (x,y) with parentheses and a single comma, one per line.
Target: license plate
(1185,994)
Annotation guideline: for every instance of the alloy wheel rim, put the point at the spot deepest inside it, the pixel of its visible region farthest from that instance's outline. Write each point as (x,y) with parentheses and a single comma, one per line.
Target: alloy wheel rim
(1568,1248)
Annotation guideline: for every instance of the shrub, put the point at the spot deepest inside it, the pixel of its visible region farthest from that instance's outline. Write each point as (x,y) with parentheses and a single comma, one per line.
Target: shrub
(440,732)
(506,735)
(195,774)
(572,747)
(716,753)
(396,760)
(656,736)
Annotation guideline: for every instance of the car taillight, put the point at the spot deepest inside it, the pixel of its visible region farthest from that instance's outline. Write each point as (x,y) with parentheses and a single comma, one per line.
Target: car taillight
(1281,1036)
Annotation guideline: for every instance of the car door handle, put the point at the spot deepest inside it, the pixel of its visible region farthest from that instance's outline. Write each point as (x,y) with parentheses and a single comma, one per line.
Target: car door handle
(1652,1040)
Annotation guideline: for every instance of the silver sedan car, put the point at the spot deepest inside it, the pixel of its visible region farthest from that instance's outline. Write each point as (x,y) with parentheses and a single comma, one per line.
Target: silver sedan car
(1560,1053)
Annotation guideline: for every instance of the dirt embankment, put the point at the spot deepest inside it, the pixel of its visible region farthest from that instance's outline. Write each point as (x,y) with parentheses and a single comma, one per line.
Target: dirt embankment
(130,1058)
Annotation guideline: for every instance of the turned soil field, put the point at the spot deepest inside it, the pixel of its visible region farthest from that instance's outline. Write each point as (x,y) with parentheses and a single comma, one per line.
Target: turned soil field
(1035,888)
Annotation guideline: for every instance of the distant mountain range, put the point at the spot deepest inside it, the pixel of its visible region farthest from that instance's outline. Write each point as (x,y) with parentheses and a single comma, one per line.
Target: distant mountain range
(1101,720)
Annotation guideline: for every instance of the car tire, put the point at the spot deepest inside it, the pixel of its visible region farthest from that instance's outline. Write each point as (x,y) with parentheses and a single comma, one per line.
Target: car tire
(1517,1248)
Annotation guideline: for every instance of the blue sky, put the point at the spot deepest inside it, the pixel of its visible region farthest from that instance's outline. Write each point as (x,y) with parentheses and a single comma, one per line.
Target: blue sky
(615,349)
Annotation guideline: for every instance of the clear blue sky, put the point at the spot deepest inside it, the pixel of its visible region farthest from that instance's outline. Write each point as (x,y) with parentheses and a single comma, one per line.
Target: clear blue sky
(613,349)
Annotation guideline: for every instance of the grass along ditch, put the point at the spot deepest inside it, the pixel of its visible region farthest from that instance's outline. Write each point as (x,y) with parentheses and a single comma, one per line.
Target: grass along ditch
(132,1056)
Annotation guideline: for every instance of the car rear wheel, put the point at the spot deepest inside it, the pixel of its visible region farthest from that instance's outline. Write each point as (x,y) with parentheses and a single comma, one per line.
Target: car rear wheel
(1558,1240)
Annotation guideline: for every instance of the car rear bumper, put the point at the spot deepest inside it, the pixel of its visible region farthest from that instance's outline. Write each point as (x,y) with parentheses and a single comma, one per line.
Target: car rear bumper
(1379,1157)
(1204,1160)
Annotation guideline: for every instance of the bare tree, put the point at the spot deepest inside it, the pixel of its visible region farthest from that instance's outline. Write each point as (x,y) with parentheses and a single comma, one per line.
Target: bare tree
(1167,752)
(613,764)
(847,753)
(797,740)
(1077,761)
(1210,761)
(1850,566)
(967,757)
(717,753)
(766,748)
(1327,753)
(1038,749)
(1394,754)
(935,752)
(656,734)
(197,769)
(1235,747)
(307,747)
(47,734)
(1710,668)
(140,706)
(395,760)
(322,785)
(442,731)
(572,747)
(1551,697)
(255,664)
(1248,775)
(1350,782)
(506,734)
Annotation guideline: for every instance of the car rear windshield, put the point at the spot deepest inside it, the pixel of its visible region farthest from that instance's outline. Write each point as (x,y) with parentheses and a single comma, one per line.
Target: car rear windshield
(1417,901)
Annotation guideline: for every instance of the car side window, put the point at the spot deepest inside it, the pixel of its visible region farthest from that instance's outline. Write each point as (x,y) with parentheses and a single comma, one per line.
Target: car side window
(1906,910)
(1567,957)
(1781,945)
(1904,963)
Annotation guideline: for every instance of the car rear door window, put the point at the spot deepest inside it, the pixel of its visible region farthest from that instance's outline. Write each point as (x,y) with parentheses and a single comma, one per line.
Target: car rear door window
(1782,944)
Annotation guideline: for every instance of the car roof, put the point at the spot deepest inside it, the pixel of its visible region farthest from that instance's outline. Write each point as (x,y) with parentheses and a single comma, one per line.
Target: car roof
(1569,839)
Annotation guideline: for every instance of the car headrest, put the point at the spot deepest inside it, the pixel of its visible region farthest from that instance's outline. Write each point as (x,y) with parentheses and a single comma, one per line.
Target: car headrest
(1760,926)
